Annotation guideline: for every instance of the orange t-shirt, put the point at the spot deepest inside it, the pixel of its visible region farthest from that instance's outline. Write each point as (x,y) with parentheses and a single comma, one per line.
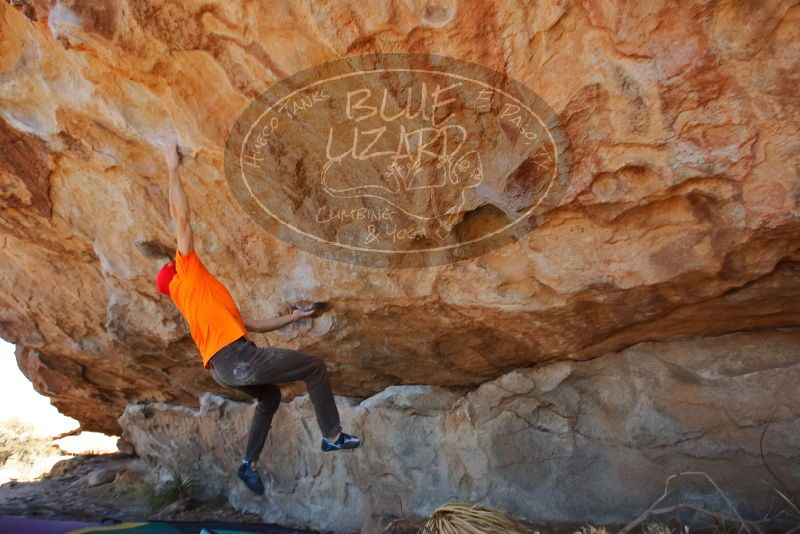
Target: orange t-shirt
(213,317)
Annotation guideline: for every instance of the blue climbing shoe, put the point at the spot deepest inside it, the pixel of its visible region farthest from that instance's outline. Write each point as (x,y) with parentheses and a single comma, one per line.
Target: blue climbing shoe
(250,478)
(343,442)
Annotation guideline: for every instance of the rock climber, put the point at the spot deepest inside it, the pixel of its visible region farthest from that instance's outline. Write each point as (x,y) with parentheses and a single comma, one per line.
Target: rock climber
(220,332)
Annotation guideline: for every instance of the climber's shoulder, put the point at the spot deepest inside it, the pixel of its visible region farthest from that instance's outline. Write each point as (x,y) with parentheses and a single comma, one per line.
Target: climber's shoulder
(189,263)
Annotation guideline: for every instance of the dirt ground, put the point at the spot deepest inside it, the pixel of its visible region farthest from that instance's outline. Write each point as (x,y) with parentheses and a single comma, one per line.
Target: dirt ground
(66,494)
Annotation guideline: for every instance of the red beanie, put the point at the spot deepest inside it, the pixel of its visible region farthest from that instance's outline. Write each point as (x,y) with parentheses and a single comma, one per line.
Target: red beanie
(165,277)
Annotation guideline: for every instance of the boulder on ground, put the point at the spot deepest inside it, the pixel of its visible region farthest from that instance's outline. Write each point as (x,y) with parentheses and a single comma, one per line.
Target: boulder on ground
(101,476)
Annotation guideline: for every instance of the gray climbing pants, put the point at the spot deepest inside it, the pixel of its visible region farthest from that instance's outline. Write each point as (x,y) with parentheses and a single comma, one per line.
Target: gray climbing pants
(256,371)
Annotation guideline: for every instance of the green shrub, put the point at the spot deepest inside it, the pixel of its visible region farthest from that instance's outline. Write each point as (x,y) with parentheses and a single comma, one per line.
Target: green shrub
(180,486)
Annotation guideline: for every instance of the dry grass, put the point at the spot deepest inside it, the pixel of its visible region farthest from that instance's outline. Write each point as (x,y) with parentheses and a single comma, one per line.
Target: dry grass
(462,518)
(25,455)
(128,483)
(18,442)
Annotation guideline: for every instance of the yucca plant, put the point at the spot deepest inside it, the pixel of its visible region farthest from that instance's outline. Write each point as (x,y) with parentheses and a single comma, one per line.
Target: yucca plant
(464,518)
(179,486)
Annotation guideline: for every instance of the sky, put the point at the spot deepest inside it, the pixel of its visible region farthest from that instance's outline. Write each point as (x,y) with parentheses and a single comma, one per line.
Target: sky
(19,399)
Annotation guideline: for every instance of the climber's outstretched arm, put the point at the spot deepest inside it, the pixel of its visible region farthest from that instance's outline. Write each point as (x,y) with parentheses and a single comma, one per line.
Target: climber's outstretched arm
(268,325)
(178,203)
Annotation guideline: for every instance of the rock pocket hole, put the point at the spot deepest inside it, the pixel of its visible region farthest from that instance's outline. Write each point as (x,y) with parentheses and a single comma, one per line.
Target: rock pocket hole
(155,249)
(480,221)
